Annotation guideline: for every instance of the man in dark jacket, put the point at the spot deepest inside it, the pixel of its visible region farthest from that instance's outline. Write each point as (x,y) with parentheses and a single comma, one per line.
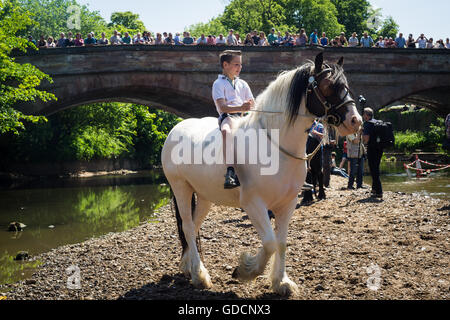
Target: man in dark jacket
(374,152)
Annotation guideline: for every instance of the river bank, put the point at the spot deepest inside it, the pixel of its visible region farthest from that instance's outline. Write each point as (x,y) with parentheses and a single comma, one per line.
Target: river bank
(330,246)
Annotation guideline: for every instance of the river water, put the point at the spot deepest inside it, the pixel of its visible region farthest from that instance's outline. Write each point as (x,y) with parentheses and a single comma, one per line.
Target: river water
(65,211)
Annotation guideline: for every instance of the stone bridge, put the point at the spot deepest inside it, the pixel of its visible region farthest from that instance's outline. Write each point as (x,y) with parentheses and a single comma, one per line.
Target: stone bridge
(179,79)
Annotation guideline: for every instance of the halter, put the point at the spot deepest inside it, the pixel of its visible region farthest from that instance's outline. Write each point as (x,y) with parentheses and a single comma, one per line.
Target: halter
(330,111)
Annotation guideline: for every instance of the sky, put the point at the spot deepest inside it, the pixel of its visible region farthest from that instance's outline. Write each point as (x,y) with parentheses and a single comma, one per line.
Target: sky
(414,16)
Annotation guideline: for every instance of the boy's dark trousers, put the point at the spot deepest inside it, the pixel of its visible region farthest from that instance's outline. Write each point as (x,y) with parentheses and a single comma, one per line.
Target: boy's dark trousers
(374,158)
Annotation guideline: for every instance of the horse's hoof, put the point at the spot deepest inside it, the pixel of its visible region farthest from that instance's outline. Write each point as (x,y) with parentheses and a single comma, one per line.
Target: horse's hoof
(287,288)
(235,274)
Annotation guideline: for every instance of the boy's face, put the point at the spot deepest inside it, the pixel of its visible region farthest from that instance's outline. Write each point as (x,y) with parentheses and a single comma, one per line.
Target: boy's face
(234,67)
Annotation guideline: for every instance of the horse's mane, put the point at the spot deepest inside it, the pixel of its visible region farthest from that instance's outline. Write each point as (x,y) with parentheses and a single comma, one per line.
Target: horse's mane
(286,95)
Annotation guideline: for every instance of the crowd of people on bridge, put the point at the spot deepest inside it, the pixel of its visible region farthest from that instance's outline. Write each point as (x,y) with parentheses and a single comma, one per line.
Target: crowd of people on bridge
(254,38)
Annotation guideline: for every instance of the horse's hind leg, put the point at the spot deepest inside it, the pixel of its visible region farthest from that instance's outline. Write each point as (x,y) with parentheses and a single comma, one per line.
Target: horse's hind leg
(190,265)
(252,266)
(281,283)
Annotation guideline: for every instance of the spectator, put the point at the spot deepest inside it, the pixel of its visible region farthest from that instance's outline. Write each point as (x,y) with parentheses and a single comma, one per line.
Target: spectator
(353,40)
(248,40)
(288,41)
(126,38)
(90,40)
(159,40)
(220,41)
(51,43)
(366,41)
(344,156)
(238,39)
(380,43)
(343,40)
(422,41)
(411,43)
(279,38)
(263,40)
(447,43)
(61,41)
(187,40)
(93,36)
(390,43)
(202,40)
(255,37)
(103,40)
(313,38)
(79,42)
(70,41)
(169,40)
(115,39)
(356,159)
(272,38)
(430,43)
(324,40)
(335,42)
(42,43)
(165,35)
(30,38)
(400,42)
(210,40)
(231,39)
(334,169)
(302,39)
(138,39)
(439,44)
(326,156)
(374,152)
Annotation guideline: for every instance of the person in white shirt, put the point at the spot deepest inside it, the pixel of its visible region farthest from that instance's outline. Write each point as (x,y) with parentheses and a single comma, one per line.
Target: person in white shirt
(353,41)
(220,40)
(232,97)
(422,41)
(231,39)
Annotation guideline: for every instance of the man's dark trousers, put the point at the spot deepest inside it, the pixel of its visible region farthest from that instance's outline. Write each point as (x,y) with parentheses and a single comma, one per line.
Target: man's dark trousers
(326,163)
(374,158)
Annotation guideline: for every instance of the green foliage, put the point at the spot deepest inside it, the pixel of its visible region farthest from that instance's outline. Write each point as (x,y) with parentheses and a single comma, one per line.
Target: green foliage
(98,131)
(18,82)
(53,16)
(353,14)
(126,19)
(430,140)
(389,28)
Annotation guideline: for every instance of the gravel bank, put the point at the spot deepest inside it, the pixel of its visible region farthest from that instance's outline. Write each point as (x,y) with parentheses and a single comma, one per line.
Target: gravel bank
(330,246)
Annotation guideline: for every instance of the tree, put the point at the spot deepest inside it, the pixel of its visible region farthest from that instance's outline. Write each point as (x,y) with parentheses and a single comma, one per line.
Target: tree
(353,14)
(389,28)
(127,19)
(313,14)
(56,16)
(18,82)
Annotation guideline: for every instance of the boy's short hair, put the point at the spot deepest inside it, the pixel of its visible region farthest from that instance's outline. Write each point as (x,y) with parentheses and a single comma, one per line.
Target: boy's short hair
(228,55)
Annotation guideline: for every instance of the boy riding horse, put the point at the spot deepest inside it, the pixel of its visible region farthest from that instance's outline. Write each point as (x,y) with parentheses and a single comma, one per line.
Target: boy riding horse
(232,97)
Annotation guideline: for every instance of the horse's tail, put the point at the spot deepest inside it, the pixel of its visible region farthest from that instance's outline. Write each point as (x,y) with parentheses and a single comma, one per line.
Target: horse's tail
(181,235)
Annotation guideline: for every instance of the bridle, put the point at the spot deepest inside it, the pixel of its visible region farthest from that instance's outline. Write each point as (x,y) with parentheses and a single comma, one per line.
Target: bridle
(329,114)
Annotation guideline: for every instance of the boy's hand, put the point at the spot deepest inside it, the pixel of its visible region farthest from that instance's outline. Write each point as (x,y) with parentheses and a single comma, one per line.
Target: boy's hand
(246,106)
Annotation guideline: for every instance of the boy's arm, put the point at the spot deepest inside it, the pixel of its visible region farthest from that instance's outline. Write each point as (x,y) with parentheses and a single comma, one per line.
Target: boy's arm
(224,108)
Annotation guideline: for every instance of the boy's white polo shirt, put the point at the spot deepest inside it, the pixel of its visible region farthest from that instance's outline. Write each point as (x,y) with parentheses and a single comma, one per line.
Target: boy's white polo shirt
(234,97)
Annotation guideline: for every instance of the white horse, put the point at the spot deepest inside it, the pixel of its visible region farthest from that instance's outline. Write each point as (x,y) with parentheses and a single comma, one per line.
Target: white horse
(288,104)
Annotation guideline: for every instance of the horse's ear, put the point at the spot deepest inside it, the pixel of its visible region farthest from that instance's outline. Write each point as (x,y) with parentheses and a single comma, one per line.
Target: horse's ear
(341,61)
(319,62)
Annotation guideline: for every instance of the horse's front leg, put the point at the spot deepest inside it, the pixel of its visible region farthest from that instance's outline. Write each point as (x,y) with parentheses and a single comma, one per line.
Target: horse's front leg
(281,283)
(252,266)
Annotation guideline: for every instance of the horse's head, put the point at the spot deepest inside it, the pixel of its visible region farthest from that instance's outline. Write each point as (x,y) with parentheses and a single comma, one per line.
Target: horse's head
(327,95)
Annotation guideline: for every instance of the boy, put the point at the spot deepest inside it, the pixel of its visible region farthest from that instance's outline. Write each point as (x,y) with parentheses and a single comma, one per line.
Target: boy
(232,97)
